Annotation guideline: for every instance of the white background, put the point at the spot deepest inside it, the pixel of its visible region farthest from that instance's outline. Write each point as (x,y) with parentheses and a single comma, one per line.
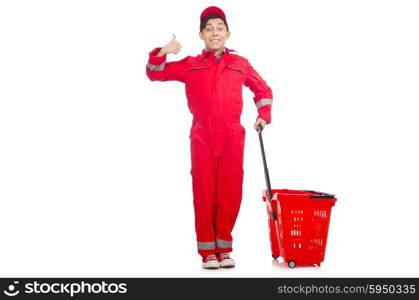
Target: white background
(94,158)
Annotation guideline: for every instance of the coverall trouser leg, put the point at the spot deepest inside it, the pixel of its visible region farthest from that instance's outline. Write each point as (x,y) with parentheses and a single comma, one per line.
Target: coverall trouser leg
(217,149)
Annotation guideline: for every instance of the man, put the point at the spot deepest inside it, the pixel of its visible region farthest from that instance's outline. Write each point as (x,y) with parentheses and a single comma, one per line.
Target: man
(213,83)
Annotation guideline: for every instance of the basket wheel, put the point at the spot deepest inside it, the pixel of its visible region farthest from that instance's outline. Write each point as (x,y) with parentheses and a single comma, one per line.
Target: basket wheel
(274,257)
(292,264)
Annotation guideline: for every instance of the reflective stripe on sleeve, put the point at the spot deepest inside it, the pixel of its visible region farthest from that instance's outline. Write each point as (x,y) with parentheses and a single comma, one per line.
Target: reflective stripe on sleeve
(224,244)
(156,68)
(263,102)
(206,245)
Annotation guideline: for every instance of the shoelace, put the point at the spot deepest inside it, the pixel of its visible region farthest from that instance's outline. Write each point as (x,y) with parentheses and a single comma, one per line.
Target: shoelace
(210,257)
(223,256)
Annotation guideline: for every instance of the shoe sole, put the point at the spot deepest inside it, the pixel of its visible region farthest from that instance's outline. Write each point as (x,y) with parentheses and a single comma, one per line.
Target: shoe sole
(211,267)
(227,267)
(228,263)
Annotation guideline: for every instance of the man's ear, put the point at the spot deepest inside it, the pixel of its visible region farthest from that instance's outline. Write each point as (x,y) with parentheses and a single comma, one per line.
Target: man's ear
(228,34)
(200,35)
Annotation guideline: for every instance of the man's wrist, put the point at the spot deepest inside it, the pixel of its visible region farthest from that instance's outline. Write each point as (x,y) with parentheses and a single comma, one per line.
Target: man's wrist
(161,52)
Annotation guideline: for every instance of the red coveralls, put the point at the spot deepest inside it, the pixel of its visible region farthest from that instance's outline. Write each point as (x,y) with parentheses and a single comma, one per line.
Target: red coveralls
(214,91)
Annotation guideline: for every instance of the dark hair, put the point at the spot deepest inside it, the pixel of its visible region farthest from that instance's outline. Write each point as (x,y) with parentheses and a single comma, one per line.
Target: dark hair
(207,18)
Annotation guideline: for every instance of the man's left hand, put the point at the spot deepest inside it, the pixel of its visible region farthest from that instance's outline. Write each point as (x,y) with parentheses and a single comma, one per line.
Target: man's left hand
(258,122)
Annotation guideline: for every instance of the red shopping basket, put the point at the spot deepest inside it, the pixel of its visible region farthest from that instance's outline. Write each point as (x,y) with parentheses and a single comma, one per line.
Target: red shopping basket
(298,222)
(298,225)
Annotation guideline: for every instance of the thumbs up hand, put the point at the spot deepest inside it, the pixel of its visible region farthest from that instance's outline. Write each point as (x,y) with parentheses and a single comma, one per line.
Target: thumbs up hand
(172,47)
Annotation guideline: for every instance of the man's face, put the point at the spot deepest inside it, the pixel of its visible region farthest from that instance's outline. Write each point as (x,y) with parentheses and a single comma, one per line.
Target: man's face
(214,34)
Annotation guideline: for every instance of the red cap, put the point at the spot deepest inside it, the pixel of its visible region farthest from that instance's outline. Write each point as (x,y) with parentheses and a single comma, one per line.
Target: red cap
(213,10)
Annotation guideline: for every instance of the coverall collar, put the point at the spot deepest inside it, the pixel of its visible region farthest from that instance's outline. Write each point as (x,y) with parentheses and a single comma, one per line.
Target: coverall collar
(206,53)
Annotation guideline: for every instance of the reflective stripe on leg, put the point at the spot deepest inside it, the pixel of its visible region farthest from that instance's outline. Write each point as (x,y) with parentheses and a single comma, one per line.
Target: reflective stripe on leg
(224,244)
(206,245)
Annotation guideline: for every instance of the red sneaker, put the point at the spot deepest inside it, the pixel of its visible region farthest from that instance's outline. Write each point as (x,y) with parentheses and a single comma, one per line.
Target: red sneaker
(210,262)
(225,260)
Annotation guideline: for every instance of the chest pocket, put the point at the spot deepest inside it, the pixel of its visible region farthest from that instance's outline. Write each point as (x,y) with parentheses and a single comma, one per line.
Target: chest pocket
(197,73)
(236,74)
(197,67)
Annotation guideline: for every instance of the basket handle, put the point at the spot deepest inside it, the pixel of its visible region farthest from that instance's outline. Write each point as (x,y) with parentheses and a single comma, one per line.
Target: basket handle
(265,167)
(321,195)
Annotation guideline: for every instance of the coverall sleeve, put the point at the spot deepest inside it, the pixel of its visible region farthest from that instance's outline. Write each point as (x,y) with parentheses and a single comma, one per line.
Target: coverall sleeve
(158,69)
(263,93)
